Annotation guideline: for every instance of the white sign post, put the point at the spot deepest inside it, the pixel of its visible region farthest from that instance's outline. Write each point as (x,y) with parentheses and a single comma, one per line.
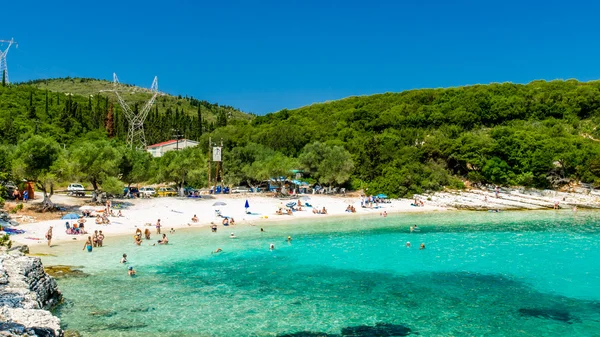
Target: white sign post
(216,153)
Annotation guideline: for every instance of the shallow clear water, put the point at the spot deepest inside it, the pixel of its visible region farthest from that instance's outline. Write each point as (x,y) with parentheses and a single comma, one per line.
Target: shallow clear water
(482,274)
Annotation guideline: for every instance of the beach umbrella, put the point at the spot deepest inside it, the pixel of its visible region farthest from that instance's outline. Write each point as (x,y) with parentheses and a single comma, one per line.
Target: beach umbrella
(70,216)
(247,205)
(219,203)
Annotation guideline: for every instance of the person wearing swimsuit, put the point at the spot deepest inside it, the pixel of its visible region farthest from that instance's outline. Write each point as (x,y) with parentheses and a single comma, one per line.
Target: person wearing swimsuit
(88,244)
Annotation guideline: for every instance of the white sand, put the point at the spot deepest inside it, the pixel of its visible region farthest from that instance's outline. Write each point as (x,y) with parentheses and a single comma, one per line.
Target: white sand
(178,212)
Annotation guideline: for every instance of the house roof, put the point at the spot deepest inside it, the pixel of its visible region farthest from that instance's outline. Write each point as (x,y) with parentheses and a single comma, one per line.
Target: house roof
(172,141)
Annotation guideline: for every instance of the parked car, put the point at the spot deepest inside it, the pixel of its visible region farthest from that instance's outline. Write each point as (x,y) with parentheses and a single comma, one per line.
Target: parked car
(167,192)
(76,189)
(131,192)
(147,191)
(240,189)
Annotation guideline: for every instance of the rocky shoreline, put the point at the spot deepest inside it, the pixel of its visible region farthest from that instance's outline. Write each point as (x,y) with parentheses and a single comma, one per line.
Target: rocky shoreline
(27,292)
(514,199)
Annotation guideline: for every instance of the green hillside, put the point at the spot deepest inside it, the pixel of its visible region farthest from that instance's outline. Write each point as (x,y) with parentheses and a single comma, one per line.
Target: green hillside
(67,109)
(542,134)
(89,86)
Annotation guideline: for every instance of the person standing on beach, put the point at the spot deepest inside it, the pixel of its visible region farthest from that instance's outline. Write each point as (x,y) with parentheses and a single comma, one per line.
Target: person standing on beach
(49,235)
(25,196)
(147,234)
(158,227)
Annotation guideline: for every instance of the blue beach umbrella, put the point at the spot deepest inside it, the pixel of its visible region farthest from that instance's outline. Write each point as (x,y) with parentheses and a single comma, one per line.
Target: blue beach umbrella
(70,216)
(247,205)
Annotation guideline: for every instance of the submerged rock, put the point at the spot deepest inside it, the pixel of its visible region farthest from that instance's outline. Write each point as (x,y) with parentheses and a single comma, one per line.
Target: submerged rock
(64,271)
(380,329)
(27,293)
(549,313)
(308,334)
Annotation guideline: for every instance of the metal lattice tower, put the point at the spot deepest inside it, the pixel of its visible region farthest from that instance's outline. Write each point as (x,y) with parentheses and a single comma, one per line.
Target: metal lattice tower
(3,64)
(135,135)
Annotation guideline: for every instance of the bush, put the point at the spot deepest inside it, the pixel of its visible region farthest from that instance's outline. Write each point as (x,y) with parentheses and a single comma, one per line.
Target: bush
(17,208)
(5,241)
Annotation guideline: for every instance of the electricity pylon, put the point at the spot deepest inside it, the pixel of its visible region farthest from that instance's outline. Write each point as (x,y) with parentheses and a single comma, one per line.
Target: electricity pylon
(3,64)
(135,135)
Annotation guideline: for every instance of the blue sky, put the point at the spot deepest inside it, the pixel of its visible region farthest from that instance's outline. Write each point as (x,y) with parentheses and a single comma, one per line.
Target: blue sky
(263,56)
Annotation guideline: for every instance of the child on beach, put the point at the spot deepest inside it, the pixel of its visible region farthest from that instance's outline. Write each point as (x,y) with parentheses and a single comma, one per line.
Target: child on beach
(124,258)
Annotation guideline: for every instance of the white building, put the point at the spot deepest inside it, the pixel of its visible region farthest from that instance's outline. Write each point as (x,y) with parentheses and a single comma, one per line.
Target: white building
(157,150)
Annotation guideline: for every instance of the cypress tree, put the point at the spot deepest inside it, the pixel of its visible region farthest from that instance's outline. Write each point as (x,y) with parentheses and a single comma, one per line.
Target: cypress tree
(199,132)
(31,109)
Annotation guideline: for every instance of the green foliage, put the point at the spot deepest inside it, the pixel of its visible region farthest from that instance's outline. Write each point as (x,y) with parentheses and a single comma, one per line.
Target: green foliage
(95,161)
(181,167)
(543,134)
(327,164)
(17,208)
(41,160)
(5,241)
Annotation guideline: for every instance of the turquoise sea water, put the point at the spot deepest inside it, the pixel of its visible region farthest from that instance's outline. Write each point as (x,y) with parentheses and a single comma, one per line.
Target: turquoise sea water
(482,274)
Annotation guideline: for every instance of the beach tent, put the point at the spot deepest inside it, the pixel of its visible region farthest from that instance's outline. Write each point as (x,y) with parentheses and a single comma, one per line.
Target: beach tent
(381,196)
(70,216)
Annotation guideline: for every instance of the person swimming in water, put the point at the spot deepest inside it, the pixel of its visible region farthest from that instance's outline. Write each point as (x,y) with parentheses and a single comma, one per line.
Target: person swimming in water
(271,247)
(262,230)
(289,239)
(218,250)
(130,271)
(407,244)
(232,236)
(422,246)
(124,258)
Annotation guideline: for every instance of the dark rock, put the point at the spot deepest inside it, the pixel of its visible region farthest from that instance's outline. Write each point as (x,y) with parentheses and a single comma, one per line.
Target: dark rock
(549,313)
(380,330)
(308,334)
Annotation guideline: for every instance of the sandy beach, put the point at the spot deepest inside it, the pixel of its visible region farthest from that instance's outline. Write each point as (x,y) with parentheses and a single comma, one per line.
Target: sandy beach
(178,212)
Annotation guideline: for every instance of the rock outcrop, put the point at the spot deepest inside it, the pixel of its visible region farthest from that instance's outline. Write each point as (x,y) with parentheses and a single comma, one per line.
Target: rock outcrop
(26,294)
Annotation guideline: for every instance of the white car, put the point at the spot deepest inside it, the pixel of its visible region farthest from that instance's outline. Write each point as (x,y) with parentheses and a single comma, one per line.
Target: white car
(75,189)
(147,191)
(240,189)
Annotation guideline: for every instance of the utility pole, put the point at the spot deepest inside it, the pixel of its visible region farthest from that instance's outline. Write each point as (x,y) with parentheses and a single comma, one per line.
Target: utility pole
(222,166)
(177,136)
(209,159)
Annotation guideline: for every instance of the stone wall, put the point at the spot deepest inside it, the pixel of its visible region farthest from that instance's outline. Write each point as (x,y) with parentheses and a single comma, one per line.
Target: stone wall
(26,294)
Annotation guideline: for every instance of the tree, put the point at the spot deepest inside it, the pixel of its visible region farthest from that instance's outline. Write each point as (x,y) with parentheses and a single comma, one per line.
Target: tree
(182,166)
(31,108)
(135,166)
(95,161)
(274,167)
(110,123)
(40,160)
(328,164)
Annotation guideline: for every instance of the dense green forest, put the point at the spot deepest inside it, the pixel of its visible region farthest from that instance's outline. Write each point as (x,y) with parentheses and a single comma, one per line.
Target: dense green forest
(542,134)
(68,108)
